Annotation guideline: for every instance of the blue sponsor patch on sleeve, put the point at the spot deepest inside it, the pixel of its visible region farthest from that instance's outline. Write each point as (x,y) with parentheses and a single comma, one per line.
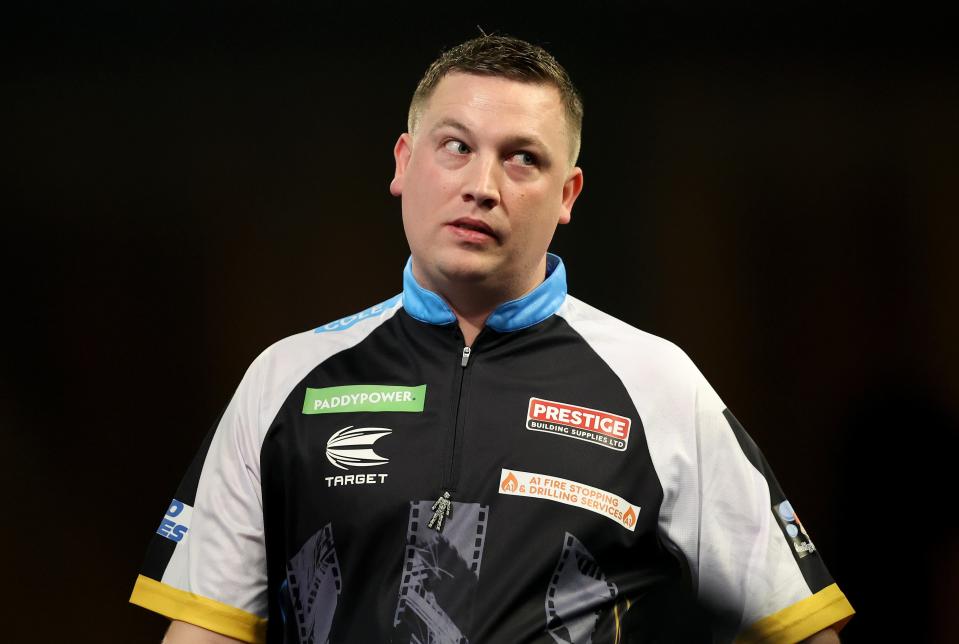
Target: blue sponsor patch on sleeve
(374,311)
(176,523)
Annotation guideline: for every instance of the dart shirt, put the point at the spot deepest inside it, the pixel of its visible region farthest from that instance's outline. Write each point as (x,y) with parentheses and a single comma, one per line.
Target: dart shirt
(567,478)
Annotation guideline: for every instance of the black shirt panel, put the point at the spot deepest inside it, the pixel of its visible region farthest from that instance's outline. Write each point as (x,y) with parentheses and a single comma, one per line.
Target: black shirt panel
(472,428)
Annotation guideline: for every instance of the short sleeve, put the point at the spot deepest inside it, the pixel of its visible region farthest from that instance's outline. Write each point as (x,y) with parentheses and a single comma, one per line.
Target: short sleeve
(206,563)
(759,570)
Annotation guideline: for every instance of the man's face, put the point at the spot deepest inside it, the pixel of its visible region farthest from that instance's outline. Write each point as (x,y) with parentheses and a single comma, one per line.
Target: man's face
(484,182)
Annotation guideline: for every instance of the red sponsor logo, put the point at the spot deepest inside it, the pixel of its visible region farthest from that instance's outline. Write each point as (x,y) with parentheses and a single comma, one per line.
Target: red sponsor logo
(601,427)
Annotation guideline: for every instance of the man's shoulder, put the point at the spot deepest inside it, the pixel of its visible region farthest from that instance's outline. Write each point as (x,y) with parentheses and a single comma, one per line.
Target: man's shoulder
(308,348)
(596,325)
(637,356)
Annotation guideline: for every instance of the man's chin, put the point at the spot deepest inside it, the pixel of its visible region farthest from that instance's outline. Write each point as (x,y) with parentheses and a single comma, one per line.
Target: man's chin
(468,268)
(473,275)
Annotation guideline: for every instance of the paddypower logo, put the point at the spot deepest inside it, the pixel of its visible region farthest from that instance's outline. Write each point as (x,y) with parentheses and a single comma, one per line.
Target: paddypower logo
(357,398)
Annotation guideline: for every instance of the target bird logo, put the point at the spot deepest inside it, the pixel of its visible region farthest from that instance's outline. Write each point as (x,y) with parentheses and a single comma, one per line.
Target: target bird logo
(353,447)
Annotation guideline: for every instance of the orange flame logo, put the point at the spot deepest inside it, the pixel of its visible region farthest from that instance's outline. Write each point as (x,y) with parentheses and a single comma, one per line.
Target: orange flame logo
(629,518)
(509,483)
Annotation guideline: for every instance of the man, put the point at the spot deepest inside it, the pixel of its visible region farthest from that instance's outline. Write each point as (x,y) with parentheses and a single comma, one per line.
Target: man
(483,457)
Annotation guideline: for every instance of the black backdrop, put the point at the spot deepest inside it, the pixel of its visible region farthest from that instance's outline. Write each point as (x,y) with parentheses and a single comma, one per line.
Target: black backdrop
(774,190)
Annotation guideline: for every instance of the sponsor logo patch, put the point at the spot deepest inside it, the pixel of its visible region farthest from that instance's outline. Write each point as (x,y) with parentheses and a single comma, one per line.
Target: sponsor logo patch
(359,398)
(374,311)
(356,479)
(551,488)
(353,447)
(795,532)
(592,425)
(176,523)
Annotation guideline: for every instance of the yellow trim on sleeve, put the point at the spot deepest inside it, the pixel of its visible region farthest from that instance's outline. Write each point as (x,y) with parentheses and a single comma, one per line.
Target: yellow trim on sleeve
(197,610)
(828,607)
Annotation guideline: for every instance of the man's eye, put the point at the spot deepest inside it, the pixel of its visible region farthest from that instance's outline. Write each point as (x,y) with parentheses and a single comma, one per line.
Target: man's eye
(457,147)
(524,158)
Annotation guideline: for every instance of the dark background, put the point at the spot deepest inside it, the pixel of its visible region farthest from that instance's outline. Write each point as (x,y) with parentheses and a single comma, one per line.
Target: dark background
(775,190)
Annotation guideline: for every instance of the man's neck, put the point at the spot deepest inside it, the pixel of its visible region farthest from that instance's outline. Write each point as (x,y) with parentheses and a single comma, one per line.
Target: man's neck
(471,314)
(470,329)
(472,306)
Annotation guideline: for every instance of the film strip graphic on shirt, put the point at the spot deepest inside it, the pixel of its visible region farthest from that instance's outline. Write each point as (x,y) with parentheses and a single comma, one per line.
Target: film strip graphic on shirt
(440,575)
(313,577)
(577,586)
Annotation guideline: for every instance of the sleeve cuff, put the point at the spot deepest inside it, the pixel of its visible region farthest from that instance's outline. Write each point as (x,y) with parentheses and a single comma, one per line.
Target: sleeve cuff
(197,610)
(828,607)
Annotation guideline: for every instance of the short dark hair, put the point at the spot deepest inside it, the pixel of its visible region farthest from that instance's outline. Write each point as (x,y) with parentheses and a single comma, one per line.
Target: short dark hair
(504,57)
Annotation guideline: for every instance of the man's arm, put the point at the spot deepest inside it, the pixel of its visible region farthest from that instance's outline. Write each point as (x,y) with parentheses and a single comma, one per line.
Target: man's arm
(825,636)
(183,633)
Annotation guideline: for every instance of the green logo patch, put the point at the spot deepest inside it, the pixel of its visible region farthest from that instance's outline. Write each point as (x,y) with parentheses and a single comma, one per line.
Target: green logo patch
(353,398)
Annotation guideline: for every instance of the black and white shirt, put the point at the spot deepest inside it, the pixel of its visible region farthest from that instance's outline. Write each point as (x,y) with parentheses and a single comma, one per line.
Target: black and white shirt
(567,478)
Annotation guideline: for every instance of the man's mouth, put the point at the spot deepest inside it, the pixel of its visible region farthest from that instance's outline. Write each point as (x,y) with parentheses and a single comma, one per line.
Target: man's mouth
(470,225)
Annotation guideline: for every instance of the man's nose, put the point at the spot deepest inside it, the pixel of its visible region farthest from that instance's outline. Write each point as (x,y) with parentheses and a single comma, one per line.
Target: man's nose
(481,183)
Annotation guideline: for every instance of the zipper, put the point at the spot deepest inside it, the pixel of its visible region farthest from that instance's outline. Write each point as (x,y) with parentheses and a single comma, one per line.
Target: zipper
(443,507)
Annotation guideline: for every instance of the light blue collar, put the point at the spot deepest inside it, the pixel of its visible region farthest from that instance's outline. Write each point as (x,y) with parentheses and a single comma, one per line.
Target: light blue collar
(532,308)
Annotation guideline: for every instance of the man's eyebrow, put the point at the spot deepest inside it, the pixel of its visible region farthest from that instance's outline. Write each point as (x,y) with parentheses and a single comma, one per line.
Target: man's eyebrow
(518,141)
(521,141)
(450,122)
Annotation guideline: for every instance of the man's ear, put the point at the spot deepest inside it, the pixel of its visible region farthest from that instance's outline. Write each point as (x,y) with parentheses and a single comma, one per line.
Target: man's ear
(401,154)
(571,190)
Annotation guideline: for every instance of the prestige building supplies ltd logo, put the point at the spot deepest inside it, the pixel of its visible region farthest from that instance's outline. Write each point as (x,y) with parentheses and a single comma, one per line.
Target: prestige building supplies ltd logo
(598,427)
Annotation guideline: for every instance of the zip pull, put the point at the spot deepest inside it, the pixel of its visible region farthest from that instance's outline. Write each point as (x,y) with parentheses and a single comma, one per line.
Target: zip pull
(466,356)
(441,510)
